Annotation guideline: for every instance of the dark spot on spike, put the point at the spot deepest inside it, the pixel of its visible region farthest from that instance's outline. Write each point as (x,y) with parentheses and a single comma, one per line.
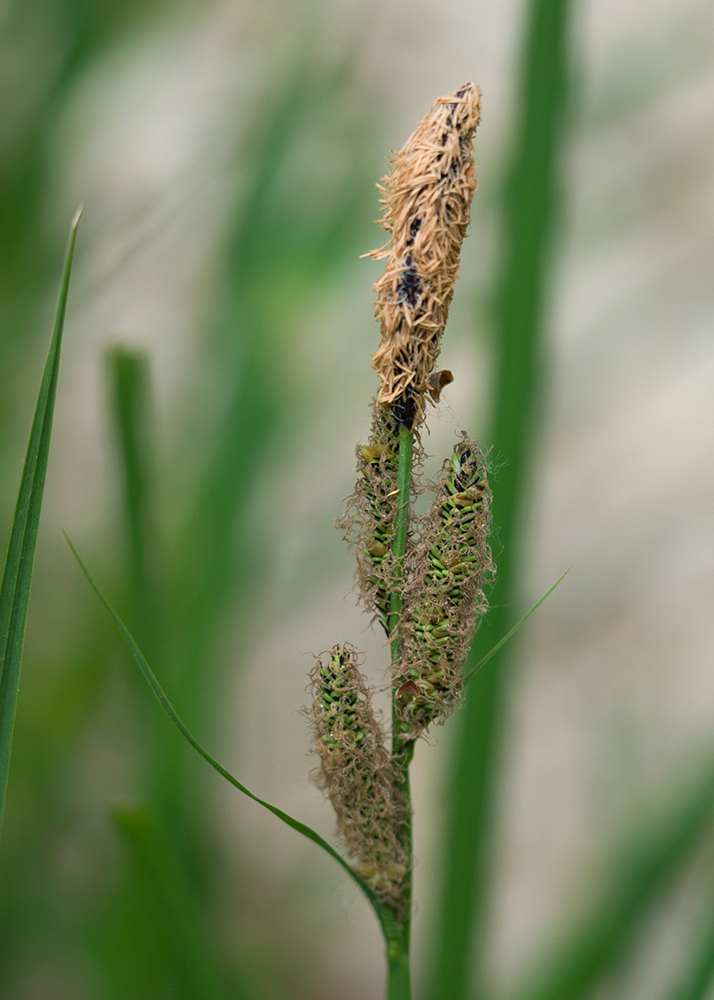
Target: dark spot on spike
(404,409)
(413,230)
(409,285)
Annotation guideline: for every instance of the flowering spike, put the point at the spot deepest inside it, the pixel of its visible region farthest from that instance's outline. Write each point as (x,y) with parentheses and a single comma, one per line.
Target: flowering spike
(357,774)
(451,566)
(371,513)
(427,204)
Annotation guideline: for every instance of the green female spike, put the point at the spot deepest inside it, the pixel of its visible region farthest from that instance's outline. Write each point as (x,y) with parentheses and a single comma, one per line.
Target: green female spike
(446,597)
(356,772)
(371,514)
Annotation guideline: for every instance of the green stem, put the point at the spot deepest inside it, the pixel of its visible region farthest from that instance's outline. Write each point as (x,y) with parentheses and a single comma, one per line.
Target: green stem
(399,548)
(398,987)
(401,527)
(398,983)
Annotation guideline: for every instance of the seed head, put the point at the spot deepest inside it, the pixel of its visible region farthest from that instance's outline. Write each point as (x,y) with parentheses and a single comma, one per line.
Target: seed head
(371,512)
(356,772)
(427,201)
(452,564)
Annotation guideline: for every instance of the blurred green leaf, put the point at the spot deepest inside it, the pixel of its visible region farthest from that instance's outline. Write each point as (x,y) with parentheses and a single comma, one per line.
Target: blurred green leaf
(129,382)
(172,904)
(698,977)
(645,868)
(131,414)
(274,259)
(530,202)
(17,576)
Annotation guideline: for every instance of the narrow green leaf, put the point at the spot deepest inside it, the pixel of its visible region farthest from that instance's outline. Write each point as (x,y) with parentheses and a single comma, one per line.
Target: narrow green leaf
(170,902)
(17,576)
(168,708)
(502,642)
(645,868)
(531,199)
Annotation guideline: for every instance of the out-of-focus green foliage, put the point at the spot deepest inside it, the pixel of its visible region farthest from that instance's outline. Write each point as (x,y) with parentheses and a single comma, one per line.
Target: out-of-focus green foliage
(89,912)
(530,204)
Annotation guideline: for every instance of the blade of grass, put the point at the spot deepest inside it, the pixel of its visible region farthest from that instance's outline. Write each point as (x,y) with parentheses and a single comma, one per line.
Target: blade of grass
(171,902)
(509,635)
(642,872)
(529,206)
(170,711)
(17,576)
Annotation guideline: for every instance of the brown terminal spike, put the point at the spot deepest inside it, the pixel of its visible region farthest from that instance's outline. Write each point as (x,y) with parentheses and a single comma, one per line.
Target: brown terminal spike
(427,208)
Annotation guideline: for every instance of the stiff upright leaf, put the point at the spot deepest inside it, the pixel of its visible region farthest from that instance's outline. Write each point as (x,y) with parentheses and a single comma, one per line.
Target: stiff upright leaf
(15,588)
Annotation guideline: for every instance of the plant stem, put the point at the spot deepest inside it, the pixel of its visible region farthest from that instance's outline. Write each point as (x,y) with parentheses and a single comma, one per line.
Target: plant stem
(398,984)
(400,751)
(401,527)
(398,987)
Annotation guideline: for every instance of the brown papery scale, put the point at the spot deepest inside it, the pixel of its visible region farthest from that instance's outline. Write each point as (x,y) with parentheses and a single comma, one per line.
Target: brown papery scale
(427,208)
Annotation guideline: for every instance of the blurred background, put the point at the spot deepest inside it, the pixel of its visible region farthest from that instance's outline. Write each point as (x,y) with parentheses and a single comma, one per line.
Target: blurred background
(214,383)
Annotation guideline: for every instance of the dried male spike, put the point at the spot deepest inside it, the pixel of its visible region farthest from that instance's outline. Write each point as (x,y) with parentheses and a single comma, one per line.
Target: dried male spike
(451,566)
(357,774)
(427,204)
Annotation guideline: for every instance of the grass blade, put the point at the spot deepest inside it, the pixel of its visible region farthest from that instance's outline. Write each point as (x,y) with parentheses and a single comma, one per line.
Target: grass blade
(643,872)
(17,576)
(509,635)
(168,708)
(529,206)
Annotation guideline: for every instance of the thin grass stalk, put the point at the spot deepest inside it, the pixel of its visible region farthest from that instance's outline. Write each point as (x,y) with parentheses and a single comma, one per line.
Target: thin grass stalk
(529,208)
(398,982)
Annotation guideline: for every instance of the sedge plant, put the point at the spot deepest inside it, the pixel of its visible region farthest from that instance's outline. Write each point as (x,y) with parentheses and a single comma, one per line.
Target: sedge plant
(421,577)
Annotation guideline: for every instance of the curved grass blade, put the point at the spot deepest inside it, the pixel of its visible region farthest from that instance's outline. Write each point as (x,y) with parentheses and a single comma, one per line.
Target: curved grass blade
(502,642)
(168,708)
(17,576)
